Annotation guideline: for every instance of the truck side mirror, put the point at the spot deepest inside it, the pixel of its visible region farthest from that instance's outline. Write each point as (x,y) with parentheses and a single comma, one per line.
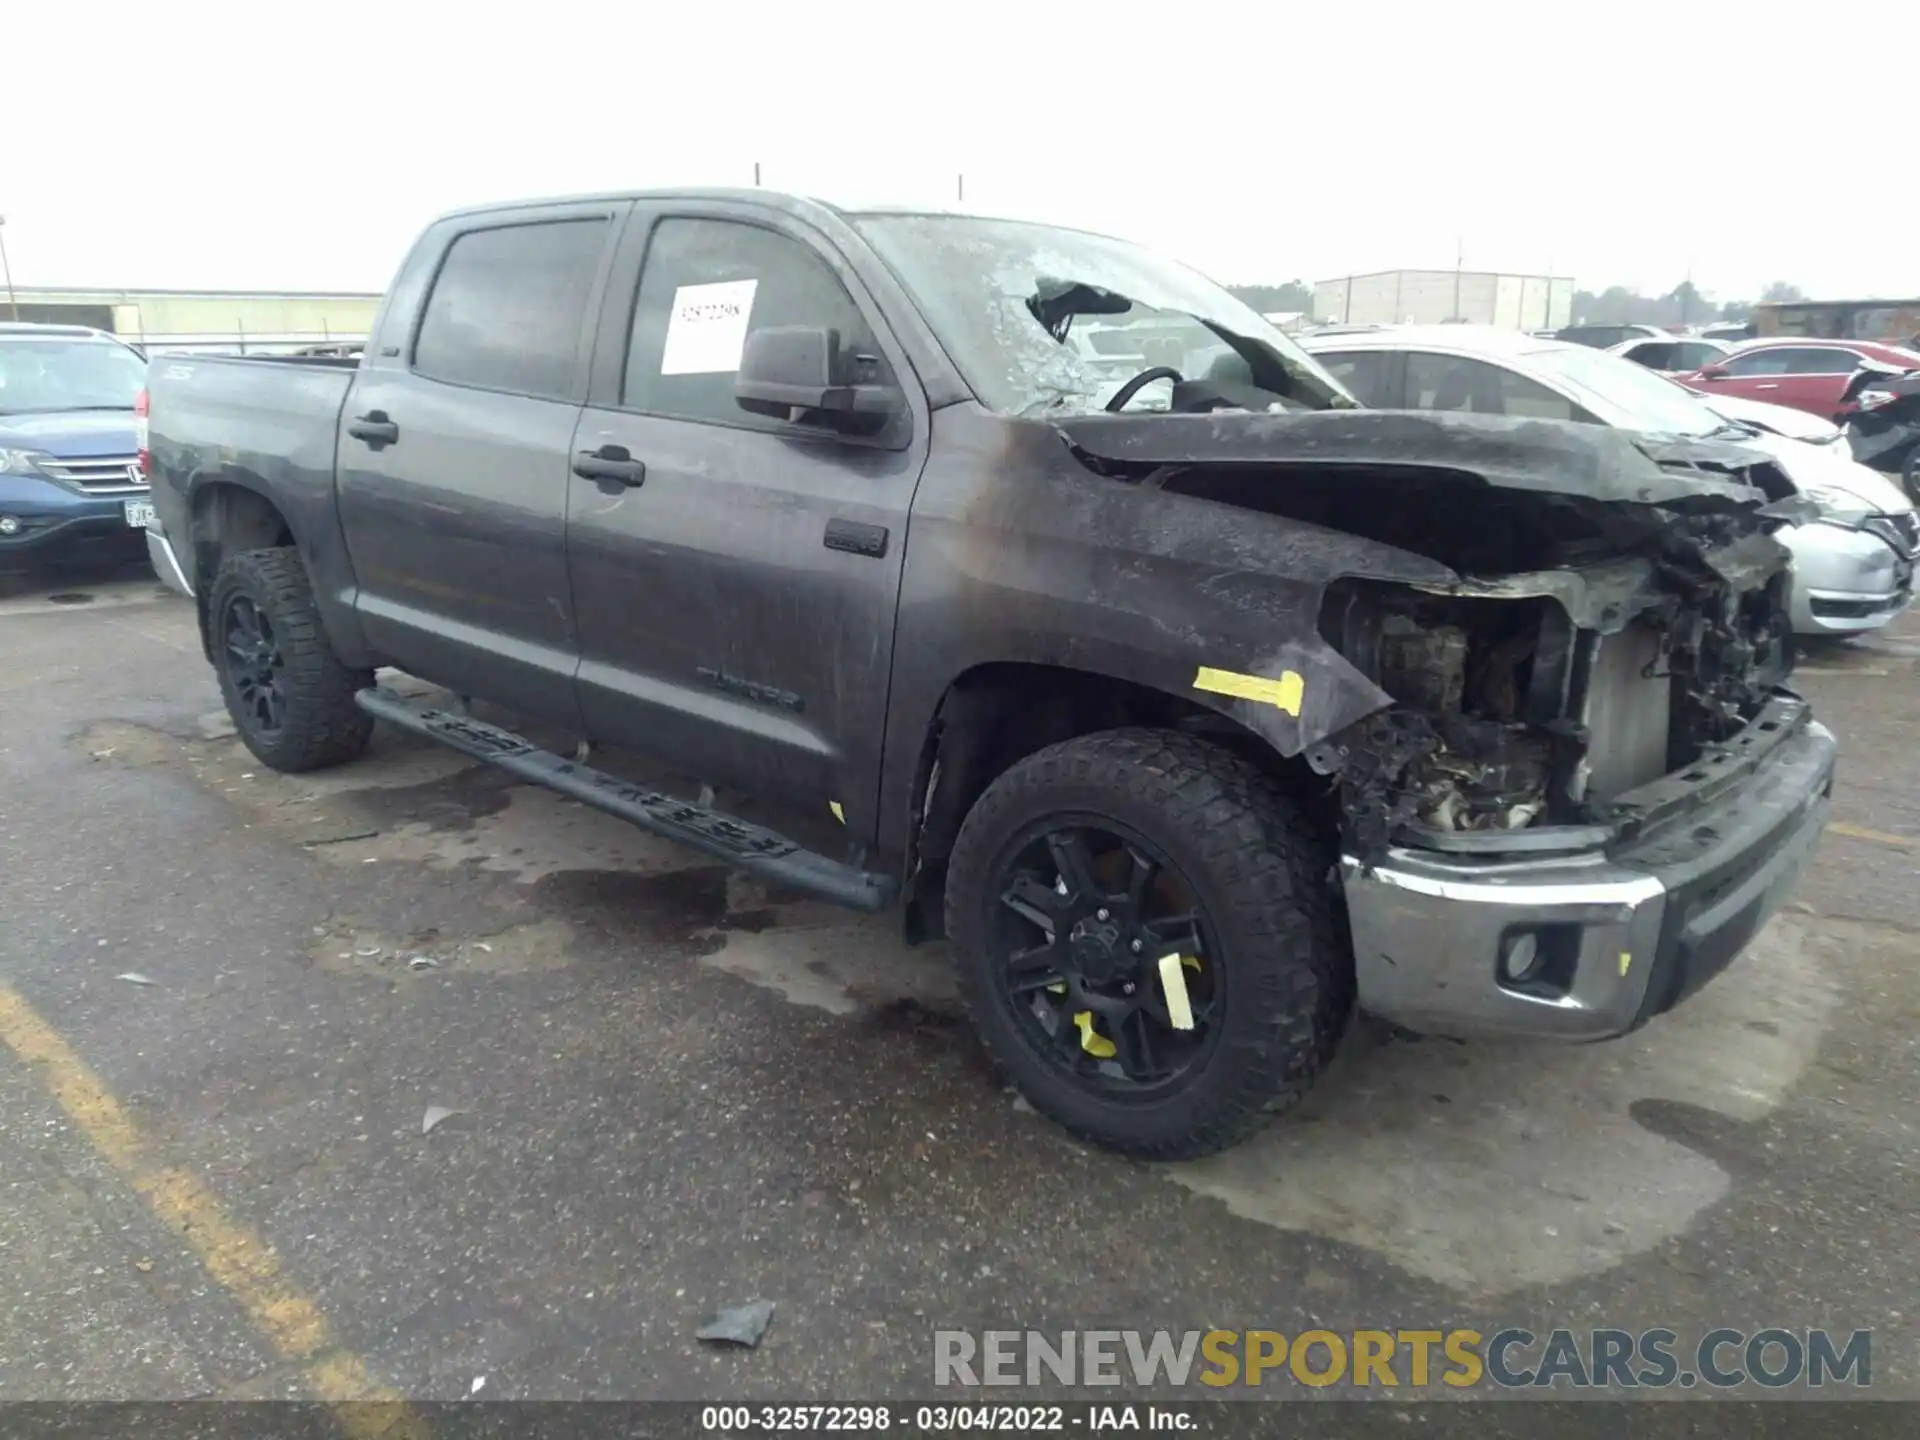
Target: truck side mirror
(802,373)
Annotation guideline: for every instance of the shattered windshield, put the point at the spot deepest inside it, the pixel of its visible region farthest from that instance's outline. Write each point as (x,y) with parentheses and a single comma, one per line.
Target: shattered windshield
(1043,321)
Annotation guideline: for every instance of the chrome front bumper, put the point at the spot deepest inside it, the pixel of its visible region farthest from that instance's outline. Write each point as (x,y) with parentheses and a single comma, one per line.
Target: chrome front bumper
(1844,581)
(1616,935)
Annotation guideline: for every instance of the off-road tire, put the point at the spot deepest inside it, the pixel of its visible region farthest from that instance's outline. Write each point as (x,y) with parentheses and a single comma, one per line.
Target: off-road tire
(323,726)
(1262,873)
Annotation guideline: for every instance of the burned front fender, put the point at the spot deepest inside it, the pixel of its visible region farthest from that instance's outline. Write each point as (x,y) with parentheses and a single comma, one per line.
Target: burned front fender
(1019,554)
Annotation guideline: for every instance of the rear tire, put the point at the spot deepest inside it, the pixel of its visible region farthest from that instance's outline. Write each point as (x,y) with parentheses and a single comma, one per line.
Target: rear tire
(1275,979)
(289,696)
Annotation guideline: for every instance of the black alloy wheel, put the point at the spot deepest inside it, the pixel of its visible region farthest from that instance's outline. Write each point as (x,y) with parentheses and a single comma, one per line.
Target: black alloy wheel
(1089,911)
(290,697)
(255,666)
(1144,933)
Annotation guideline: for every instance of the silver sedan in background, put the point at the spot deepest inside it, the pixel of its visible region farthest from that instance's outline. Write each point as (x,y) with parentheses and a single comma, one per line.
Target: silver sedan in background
(1853,565)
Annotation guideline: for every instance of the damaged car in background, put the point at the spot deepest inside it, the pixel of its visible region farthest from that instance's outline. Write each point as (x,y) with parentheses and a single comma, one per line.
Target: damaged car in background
(1192,702)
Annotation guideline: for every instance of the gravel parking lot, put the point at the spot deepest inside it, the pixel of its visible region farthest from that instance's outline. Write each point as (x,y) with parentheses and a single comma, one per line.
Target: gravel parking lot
(231,998)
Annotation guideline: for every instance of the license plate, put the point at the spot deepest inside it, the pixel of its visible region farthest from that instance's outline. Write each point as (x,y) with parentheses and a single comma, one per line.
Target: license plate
(140,514)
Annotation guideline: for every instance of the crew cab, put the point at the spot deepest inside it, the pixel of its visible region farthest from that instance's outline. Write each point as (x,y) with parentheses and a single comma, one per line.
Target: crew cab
(70,486)
(1191,707)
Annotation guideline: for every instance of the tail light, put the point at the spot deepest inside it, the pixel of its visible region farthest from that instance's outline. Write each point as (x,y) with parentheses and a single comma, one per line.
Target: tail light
(1874,399)
(142,458)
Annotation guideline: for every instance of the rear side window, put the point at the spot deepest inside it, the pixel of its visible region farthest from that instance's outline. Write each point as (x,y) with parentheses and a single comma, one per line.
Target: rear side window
(1452,382)
(1821,361)
(1693,356)
(704,287)
(1597,336)
(507,307)
(1367,373)
(1655,355)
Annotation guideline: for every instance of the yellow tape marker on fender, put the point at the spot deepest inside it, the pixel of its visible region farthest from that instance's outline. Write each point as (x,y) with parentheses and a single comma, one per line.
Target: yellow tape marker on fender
(237,1259)
(1286,693)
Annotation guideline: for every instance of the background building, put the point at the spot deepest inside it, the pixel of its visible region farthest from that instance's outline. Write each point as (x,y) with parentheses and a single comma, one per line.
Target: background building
(1432,297)
(202,319)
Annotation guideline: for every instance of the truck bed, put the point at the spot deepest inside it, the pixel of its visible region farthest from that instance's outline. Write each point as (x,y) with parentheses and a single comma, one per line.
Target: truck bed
(272,415)
(269,423)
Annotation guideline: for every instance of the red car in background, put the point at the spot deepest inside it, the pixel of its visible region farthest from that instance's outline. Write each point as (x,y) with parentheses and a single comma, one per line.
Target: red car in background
(1818,376)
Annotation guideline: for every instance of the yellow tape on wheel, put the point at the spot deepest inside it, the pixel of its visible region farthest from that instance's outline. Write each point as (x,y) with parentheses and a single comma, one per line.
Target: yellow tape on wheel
(1091,1040)
(1173,981)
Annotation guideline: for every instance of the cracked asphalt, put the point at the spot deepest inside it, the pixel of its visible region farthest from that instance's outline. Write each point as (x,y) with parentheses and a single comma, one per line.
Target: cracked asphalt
(672,1090)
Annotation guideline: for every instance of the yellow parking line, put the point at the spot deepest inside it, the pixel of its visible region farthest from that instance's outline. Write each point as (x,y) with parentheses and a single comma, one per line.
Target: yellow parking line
(1878,837)
(242,1264)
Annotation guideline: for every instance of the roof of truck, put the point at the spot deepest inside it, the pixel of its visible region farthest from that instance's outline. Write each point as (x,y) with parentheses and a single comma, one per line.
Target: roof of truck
(33,330)
(787,201)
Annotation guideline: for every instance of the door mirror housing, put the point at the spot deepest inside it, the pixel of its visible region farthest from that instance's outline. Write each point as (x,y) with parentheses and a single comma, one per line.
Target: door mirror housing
(1713,372)
(802,373)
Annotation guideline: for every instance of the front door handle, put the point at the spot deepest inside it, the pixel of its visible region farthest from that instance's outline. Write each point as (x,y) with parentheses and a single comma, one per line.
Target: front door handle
(374,427)
(610,465)
(1768,385)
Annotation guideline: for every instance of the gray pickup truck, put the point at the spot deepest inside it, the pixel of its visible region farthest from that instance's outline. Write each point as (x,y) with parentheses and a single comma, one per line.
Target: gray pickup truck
(1194,706)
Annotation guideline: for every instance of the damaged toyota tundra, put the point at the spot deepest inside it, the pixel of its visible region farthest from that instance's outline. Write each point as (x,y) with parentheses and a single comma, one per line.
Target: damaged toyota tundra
(1057,598)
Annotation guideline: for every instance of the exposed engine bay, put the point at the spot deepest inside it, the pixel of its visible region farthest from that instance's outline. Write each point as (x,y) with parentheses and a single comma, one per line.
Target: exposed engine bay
(1606,629)
(1509,715)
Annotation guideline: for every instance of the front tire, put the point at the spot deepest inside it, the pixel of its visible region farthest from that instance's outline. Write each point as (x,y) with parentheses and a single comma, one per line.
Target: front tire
(290,698)
(1086,864)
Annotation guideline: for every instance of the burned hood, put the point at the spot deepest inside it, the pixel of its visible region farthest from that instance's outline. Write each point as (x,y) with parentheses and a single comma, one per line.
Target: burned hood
(1593,462)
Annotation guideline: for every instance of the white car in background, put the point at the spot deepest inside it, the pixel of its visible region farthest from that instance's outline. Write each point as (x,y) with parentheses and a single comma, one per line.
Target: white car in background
(1853,565)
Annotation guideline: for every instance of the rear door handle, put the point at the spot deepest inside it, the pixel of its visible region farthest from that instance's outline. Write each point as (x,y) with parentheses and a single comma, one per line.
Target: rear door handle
(610,465)
(374,427)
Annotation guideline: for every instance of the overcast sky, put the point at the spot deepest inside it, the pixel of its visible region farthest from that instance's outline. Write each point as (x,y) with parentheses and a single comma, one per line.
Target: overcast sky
(299,145)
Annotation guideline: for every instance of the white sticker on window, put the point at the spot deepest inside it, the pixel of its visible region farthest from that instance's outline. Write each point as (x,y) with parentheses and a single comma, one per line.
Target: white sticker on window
(708,329)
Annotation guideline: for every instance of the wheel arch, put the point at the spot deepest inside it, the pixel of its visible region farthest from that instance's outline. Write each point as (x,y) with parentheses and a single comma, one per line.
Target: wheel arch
(997,713)
(225,515)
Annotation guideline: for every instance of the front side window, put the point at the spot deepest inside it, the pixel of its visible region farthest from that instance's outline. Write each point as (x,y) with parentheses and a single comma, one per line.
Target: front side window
(1046,321)
(508,305)
(39,377)
(1655,355)
(704,287)
(1760,362)
(1452,382)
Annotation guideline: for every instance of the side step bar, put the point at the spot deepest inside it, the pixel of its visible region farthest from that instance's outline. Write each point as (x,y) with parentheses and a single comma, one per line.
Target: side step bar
(760,852)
